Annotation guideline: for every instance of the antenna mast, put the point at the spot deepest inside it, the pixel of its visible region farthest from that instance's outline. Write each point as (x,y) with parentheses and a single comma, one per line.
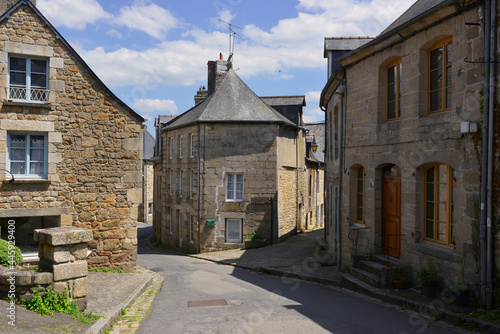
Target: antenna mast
(232,36)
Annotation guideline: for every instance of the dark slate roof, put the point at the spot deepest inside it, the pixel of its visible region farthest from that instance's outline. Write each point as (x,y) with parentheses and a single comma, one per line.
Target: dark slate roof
(8,14)
(318,129)
(344,43)
(296,100)
(148,145)
(417,9)
(233,101)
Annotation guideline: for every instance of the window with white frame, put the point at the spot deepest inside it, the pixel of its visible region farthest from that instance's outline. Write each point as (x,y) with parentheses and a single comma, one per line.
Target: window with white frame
(27,154)
(191,228)
(171,148)
(170,185)
(180,182)
(150,208)
(28,79)
(191,145)
(180,225)
(170,220)
(234,187)
(181,143)
(191,183)
(233,230)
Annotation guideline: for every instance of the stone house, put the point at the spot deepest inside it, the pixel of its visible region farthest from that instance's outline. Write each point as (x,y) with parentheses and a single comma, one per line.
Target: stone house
(402,116)
(70,150)
(146,208)
(230,167)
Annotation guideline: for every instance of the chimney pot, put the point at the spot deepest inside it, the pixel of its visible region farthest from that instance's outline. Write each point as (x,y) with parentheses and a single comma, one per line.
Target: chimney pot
(220,56)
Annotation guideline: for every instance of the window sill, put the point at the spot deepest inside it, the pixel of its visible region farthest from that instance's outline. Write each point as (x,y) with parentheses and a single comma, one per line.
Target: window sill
(28,181)
(27,104)
(441,252)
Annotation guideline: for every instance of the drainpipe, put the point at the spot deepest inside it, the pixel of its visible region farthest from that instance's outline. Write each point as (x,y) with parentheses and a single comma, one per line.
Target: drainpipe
(297,192)
(341,171)
(484,153)
(198,187)
(491,140)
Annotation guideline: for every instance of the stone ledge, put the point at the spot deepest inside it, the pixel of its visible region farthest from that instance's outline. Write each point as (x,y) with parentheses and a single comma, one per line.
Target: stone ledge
(66,235)
(28,104)
(25,278)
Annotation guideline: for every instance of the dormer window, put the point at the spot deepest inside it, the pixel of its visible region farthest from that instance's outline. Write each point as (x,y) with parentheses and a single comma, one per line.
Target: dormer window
(28,79)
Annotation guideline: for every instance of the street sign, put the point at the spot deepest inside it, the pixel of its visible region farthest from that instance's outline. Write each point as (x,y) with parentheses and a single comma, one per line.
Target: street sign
(262,200)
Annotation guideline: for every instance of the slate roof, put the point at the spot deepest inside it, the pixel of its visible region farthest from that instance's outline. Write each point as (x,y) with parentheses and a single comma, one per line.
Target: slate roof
(344,43)
(318,129)
(299,100)
(233,101)
(9,12)
(148,145)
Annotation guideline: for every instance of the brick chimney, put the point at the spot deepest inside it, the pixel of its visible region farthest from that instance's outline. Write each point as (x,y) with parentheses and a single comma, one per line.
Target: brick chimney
(216,71)
(5,5)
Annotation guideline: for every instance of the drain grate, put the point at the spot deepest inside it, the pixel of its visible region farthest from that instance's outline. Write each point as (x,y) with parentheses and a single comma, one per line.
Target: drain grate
(205,303)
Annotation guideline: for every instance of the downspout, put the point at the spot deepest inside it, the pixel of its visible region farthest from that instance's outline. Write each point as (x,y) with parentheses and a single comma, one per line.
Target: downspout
(198,187)
(484,153)
(297,192)
(491,140)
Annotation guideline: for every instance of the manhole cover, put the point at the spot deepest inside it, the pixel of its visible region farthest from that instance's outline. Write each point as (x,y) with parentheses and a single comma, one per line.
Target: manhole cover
(158,270)
(205,303)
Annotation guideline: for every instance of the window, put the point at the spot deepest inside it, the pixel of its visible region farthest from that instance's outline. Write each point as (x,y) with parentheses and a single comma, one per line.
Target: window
(438,198)
(180,146)
(171,148)
(27,154)
(180,183)
(191,146)
(233,230)
(360,194)
(170,185)
(393,101)
(191,228)
(234,187)
(191,183)
(28,79)
(336,139)
(170,220)
(150,208)
(180,226)
(440,77)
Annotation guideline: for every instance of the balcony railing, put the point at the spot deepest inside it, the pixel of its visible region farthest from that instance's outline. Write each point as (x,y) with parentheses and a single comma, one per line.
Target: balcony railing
(28,94)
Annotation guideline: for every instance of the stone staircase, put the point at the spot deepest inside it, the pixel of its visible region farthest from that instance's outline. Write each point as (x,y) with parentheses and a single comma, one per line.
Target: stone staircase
(374,272)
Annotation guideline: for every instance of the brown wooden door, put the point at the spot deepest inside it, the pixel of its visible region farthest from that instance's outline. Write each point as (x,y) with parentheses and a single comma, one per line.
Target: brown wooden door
(391,216)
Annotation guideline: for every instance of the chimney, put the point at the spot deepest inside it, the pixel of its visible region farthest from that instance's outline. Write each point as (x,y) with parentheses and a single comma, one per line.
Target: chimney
(201,95)
(5,5)
(216,71)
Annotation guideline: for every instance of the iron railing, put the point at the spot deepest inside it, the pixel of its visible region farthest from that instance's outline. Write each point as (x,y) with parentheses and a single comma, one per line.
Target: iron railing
(354,236)
(28,94)
(378,244)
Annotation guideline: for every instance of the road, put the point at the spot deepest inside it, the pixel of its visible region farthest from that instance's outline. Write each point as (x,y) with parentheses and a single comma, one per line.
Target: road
(259,303)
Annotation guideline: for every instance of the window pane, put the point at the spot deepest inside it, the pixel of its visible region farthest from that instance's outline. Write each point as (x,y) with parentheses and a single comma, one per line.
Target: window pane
(38,66)
(239,195)
(233,230)
(360,200)
(448,98)
(436,79)
(442,213)
(429,209)
(359,216)
(17,168)
(239,178)
(230,194)
(18,64)
(448,76)
(38,80)
(430,192)
(391,74)
(430,174)
(37,141)
(436,99)
(429,229)
(436,58)
(17,140)
(18,79)
(449,53)
(391,110)
(37,155)
(391,92)
(36,168)
(17,154)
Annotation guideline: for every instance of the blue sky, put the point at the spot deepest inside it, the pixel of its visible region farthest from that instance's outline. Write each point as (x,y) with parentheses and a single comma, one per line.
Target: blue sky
(153,53)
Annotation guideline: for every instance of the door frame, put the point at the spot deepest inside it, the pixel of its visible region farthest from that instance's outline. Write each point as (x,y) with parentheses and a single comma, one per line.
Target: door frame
(385,247)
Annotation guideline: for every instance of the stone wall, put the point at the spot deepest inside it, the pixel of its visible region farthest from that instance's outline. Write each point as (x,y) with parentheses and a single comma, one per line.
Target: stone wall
(94,149)
(413,142)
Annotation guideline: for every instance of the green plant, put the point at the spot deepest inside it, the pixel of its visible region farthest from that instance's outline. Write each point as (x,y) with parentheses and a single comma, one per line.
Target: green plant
(117,270)
(253,236)
(49,302)
(427,274)
(9,254)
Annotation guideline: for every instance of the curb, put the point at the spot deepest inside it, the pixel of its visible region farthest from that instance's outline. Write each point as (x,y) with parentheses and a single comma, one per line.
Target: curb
(102,324)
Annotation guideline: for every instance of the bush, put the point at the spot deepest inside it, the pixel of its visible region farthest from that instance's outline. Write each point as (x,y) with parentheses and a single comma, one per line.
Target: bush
(427,275)
(15,257)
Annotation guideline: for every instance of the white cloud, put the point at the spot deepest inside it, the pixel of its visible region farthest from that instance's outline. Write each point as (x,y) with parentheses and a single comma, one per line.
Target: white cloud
(72,14)
(155,105)
(151,19)
(114,33)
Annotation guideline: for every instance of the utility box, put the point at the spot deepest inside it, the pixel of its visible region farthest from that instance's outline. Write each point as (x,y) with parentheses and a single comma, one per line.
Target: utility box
(210,222)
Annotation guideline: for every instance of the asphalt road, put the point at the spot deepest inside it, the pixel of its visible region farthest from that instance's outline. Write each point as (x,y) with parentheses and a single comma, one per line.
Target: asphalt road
(259,303)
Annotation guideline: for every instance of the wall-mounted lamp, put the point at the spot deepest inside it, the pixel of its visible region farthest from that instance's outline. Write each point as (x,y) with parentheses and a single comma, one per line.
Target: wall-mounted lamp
(314,147)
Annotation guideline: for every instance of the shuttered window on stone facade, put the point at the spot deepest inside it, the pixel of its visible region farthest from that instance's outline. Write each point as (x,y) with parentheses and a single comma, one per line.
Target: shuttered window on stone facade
(440,61)
(438,204)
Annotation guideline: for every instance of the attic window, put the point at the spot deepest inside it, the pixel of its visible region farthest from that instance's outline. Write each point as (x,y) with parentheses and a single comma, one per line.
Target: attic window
(28,79)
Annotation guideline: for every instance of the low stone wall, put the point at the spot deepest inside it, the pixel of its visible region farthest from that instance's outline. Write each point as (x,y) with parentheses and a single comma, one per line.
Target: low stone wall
(62,252)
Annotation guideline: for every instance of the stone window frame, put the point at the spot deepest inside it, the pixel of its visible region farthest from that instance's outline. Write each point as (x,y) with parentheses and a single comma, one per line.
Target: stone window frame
(181,144)
(28,86)
(443,43)
(358,193)
(171,148)
(191,183)
(26,159)
(435,204)
(181,172)
(170,221)
(191,228)
(191,145)
(170,185)
(36,51)
(398,65)
(234,188)
(53,137)
(239,222)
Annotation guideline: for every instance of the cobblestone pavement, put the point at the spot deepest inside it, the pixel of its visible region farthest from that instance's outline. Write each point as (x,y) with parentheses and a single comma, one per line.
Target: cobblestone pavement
(130,321)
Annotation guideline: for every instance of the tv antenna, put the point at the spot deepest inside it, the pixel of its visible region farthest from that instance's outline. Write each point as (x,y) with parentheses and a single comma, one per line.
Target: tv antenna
(232,36)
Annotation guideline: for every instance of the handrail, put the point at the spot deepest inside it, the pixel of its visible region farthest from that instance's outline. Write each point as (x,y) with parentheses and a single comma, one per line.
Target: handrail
(355,239)
(379,238)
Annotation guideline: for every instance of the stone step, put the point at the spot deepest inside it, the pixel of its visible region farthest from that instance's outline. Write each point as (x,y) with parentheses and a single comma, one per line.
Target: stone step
(372,267)
(353,283)
(366,277)
(383,259)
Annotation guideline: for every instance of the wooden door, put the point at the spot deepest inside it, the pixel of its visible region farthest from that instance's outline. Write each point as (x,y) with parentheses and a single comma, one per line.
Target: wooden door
(391,216)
